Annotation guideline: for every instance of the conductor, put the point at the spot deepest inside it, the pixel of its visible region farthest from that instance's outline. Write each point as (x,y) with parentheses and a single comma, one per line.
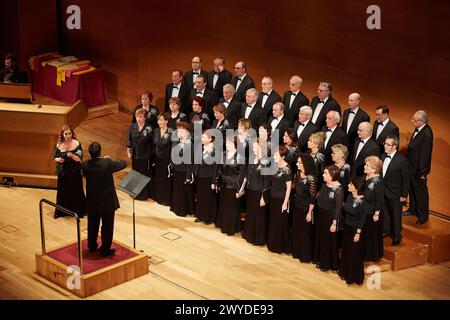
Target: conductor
(101,198)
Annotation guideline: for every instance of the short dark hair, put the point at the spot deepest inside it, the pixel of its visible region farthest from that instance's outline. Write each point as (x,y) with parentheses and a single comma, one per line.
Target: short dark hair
(10,56)
(148,94)
(180,73)
(95,149)
(395,140)
(384,109)
(334,172)
(308,164)
(358,183)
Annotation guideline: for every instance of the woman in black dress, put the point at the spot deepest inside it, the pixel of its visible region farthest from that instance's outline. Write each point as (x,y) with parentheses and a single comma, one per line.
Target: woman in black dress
(257,185)
(175,116)
(229,178)
(339,154)
(205,173)
(351,268)
(162,140)
(289,141)
(302,240)
(140,149)
(246,136)
(264,139)
(280,190)
(68,155)
(152,111)
(198,117)
(315,144)
(182,159)
(374,199)
(220,122)
(329,207)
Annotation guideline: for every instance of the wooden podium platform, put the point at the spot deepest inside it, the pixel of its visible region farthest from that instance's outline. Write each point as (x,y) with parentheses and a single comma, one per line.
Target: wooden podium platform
(88,284)
(408,254)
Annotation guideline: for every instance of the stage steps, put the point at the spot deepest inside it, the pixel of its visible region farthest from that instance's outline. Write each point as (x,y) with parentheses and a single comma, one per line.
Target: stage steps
(383,265)
(408,254)
(110,107)
(435,233)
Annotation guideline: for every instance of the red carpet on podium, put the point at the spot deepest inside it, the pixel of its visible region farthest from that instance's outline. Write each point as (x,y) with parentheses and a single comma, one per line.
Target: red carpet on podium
(92,261)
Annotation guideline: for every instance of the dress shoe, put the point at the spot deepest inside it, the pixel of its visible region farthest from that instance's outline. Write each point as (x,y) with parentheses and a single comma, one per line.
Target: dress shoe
(318,266)
(92,249)
(396,242)
(56,216)
(197,220)
(421,221)
(108,253)
(407,212)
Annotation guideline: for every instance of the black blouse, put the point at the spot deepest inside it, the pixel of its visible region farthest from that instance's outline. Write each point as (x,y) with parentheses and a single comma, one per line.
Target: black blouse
(374,194)
(222,127)
(68,161)
(330,201)
(201,118)
(185,160)
(355,213)
(163,144)
(305,192)
(278,182)
(181,117)
(256,181)
(208,167)
(140,142)
(152,115)
(231,173)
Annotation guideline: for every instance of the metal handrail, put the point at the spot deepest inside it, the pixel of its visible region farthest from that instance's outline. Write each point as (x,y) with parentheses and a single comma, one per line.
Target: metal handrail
(70,213)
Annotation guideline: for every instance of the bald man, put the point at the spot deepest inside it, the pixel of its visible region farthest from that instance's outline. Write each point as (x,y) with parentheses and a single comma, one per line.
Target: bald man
(352,117)
(268,97)
(294,99)
(364,147)
(190,76)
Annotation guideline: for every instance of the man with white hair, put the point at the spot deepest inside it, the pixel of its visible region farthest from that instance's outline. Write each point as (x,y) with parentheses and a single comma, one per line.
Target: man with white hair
(323,103)
(420,148)
(268,97)
(294,98)
(278,120)
(251,110)
(364,147)
(241,80)
(232,104)
(352,117)
(334,135)
(304,127)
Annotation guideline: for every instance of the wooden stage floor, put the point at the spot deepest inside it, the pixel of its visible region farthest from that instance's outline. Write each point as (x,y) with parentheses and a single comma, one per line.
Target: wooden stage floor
(187,260)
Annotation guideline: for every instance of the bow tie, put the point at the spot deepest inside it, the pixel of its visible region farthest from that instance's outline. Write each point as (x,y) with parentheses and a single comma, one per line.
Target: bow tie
(239,79)
(248,106)
(265,94)
(361,141)
(417,130)
(321,101)
(388,157)
(380,124)
(174,87)
(195,72)
(293,94)
(302,124)
(352,112)
(329,130)
(199,92)
(217,73)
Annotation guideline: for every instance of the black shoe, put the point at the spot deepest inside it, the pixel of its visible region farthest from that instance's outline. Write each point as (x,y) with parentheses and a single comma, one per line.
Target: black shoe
(407,212)
(197,220)
(421,221)
(396,242)
(108,253)
(56,216)
(92,249)
(318,266)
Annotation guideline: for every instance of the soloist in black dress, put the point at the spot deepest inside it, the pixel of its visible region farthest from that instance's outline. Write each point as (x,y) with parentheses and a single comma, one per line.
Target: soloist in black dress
(163,181)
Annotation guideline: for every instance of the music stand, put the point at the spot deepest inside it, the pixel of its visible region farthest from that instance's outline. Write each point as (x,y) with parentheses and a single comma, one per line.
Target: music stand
(133,183)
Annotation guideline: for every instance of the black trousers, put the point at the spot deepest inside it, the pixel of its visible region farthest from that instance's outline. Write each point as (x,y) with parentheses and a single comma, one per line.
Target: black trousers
(107,221)
(392,214)
(419,198)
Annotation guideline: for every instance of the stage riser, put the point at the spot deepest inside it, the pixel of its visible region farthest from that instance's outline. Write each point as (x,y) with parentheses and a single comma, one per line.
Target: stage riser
(408,254)
(103,110)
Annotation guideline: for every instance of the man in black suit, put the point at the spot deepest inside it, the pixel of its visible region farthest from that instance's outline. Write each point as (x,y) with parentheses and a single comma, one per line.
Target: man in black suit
(420,148)
(207,95)
(278,120)
(294,99)
(364,147)
(190,76)
(383,127)
(233,106)
(218,78)
(396,185)
(334,135)
(241,80)
(251,110)
(11,73)
(352,117)
(304,128)
(101,198)
(323,103)
(268,97)
(177,89)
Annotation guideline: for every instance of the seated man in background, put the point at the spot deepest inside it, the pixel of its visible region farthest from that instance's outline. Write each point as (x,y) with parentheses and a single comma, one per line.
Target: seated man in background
(11,73)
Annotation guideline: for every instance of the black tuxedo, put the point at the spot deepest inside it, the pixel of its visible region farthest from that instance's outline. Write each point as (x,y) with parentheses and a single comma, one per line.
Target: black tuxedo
(225,77)
(189,80)
(183,95)
(352,133)
(299,101)
(281,126)
(396,184)
(16,76)
(210,101)
(247,83)
(390,129)
(302,140)
(329,105)
(255,116)
(101,199)
(370,148)
(338,136)
(273,98)
(233,111)
(419,156)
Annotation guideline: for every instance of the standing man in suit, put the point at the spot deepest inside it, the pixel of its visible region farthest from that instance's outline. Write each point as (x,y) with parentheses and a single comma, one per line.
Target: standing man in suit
(396,180)
(268,97)
(364,147)
(207,95)
(218,78)
(177,89)
(101,198)
(383,127)
(304,128)
(353,116)
(241,80)
(191,76)
(232,104)
(334,135)
(250,109)
(420,148)
(294,99)
(323,103)
(278,120)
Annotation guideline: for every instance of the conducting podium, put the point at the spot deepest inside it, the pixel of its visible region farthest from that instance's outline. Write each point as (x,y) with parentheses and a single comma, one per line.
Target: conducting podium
(28,134)
(133,184)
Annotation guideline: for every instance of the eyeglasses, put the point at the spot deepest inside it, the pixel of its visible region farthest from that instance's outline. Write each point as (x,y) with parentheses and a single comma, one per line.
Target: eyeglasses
(195,61)
(388,144)
(238,68)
